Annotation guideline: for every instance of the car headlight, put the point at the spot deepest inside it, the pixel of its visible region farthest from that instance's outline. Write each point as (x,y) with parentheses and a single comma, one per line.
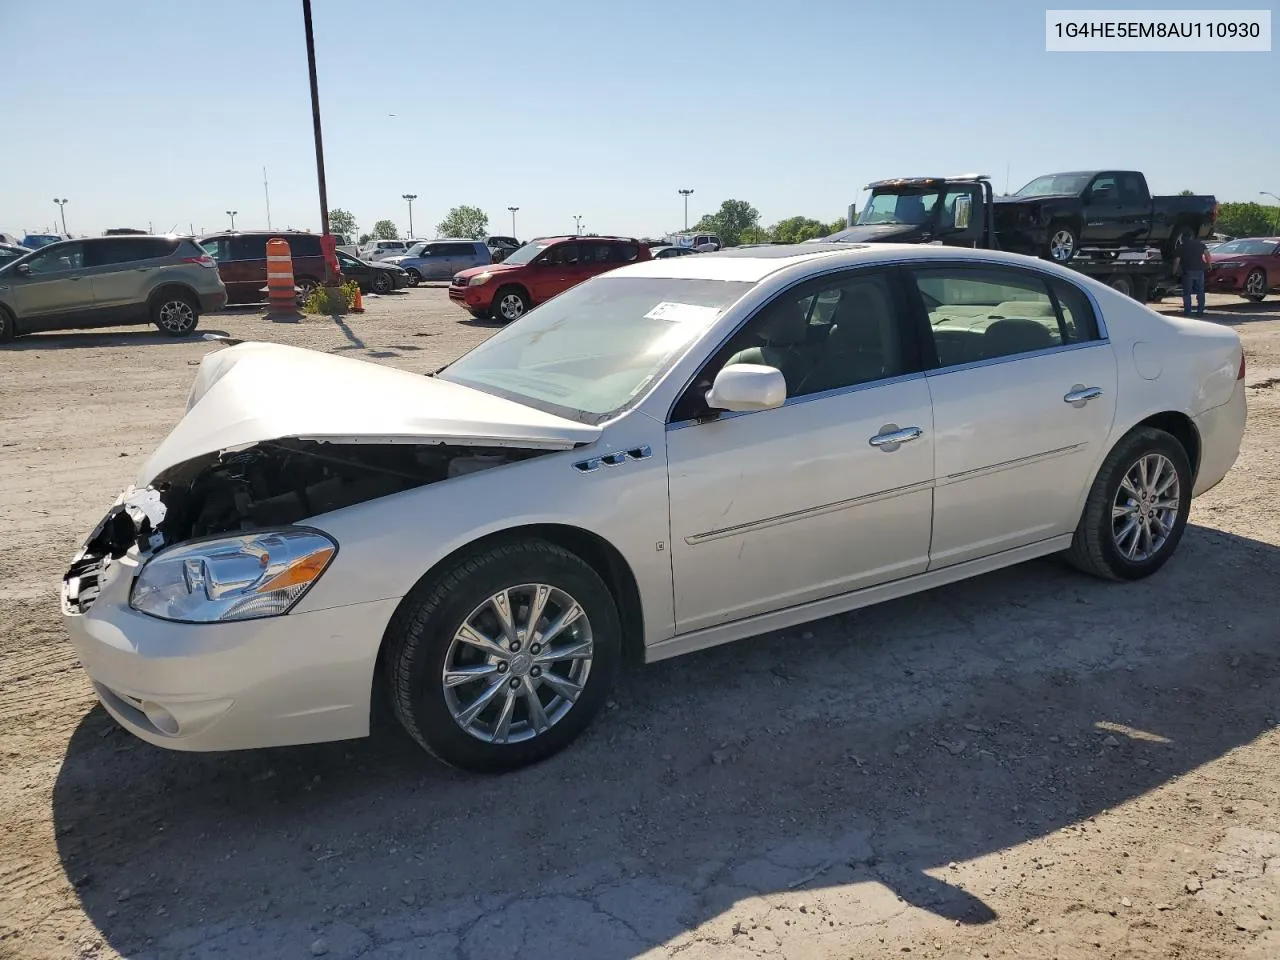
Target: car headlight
(232,578)
(479,278)
(1229,264)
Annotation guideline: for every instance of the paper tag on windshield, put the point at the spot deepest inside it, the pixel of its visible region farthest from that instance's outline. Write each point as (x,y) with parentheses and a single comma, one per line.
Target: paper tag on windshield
(682,313)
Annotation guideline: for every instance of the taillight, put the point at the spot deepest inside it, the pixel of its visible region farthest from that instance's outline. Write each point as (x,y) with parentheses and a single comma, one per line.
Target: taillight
(1240,372)
(205,261)
(1215,211)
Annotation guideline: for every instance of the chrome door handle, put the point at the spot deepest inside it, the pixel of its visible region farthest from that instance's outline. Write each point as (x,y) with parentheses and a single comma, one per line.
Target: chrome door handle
(1082,395)
(895,436)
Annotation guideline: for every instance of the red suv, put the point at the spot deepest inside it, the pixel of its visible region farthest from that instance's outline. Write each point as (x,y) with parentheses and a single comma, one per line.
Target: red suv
(538,271)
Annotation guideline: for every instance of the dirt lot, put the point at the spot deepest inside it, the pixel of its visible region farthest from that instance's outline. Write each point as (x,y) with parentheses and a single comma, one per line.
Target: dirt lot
(1032,764)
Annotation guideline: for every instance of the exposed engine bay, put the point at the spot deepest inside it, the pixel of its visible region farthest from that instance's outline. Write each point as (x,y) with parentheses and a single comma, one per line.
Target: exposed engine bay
(275,483)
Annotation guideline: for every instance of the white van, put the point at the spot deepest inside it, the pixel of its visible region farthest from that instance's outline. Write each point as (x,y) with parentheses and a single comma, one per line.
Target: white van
(381,249)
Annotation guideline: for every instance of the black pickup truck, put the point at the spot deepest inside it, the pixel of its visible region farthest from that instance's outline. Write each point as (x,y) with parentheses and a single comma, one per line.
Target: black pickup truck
(1057,215)
(963,211)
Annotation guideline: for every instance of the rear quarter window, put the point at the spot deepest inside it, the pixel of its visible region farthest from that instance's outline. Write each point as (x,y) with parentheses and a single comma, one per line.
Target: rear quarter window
(304,246)
(1079,322)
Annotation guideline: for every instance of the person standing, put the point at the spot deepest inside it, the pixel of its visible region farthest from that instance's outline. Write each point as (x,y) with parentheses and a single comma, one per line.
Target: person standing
(1193,257)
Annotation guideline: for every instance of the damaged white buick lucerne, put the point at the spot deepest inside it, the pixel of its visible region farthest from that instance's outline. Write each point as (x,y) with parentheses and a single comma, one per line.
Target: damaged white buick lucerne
(673,455)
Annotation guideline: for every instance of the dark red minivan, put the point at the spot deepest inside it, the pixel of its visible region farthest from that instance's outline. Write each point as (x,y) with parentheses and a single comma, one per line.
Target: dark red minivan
(242,262)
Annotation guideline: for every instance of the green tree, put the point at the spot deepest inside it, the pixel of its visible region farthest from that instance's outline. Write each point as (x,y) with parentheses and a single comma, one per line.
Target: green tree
(469,222)
(385,230)
(797,229)
(343,222)
(835,226)
(1186,193)
(733,217)
(366,237)
(1247,219)
(753,235)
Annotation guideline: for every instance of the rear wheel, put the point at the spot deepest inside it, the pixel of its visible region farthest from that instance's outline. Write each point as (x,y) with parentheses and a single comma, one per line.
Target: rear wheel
(510,303)
(175,314)
(505,657)
(306,287)
(8,328)
(1255,285)
(382,283)
(1137,508)
(1121,284)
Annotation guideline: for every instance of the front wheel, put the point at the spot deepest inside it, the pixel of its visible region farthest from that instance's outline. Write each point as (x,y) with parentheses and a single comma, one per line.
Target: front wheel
(1137,508)
(1063,243)
(8,329)
(175,314)
(415,277)
(510,303)
(504,658)
(1255,285)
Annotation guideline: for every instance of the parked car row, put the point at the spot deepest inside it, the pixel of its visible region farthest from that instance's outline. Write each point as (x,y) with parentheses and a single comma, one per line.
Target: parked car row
(441,259)
(242,262)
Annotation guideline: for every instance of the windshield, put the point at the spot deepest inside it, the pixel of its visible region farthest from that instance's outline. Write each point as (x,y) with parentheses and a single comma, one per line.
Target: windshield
(596,349)
(1246,248)
(912,206)
(1055,184)
(416,250)
(526,253)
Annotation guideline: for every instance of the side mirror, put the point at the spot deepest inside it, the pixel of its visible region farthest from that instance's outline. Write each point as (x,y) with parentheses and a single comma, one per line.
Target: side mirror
(23,268)
(741,387)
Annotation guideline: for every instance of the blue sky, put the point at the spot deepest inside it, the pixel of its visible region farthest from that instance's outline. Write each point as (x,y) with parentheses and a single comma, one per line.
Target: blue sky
(165,112)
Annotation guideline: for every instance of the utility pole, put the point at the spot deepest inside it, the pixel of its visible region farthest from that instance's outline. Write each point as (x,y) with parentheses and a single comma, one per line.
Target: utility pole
(267,193)
(577,220)
(1261,193)
(685,193)
(62,209)
(232,215)
(513,220)
(315,123)
(410,197)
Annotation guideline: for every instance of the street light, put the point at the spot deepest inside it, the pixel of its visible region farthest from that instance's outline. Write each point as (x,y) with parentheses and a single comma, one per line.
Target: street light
(1261,193)
(62,209)
(577,220)
(513,220)
(685,193)
(232,215)
(410,197)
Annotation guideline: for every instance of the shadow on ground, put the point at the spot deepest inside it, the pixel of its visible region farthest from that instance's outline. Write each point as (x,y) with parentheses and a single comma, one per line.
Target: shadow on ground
(113,338)
(853,759)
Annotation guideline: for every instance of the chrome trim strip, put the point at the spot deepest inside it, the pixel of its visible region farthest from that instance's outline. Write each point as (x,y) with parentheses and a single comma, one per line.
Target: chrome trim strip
(754,525)
(1008,465)
(1030,355)
(805,398)
(614,459)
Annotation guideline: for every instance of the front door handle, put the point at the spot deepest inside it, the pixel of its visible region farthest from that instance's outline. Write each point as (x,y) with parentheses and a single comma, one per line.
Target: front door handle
(1079,396)
(891,437)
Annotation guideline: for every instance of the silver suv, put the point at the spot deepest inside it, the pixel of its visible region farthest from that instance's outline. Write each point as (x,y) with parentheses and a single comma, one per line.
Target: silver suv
(110,281)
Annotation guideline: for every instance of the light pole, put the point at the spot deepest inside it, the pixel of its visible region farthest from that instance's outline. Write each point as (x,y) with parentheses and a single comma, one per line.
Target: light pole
(577,220)
(62,209)
(513,220)
(410,197)
(685,193)
(1261,193)
(232,215)
(330,259)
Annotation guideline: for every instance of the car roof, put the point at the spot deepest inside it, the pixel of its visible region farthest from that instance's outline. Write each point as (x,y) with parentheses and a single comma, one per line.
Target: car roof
(756,263)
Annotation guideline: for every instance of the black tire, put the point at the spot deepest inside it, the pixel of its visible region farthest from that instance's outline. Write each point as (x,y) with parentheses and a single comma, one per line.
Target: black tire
(8,326)
(1121,284)
(415,277)
(306,287)
(421,633)
(175,314)
(1094,548)
(1257,277)
(382,283)
(504,307)
(1062,242)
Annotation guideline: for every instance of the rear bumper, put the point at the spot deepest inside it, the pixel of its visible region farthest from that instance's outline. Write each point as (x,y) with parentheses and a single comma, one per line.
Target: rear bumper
(1221,431)
(213,302)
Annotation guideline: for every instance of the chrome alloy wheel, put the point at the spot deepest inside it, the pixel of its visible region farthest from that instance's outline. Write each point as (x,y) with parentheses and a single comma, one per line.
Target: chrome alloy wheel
(1255,284)
(511,306)
(1146,508)
(518,663)
(1062,245)
(176,316)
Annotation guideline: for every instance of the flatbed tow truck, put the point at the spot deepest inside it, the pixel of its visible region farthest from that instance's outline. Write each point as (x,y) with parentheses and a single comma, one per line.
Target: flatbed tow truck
(959,211)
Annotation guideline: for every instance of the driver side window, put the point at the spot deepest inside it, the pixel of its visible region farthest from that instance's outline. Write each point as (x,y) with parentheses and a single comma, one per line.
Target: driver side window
(58,259)
(830,334)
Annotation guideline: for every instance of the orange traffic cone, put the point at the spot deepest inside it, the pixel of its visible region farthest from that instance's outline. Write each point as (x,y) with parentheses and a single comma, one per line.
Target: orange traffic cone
(358,306)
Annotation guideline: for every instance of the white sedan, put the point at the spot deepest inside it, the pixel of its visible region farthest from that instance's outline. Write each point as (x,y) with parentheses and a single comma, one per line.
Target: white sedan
(673,455)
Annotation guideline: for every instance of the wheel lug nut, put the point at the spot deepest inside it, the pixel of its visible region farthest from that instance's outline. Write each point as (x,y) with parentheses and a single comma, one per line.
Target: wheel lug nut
(536,672)
(502,668)
(515,646)
(536,648)
(515,682)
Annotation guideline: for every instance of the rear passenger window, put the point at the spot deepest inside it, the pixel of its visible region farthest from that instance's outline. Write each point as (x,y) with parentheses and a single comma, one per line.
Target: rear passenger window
(623,252)
(304,246)
(249,247)
(985,314)
(1079,322)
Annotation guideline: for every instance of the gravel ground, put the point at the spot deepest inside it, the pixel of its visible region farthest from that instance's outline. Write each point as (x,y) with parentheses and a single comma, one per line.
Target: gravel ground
(1032,764)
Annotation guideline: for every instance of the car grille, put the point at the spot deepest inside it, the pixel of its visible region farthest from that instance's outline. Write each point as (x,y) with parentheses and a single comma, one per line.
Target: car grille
(83,583)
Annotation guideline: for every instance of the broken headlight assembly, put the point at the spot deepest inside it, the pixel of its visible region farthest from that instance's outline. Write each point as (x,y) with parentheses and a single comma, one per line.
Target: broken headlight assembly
(262,574)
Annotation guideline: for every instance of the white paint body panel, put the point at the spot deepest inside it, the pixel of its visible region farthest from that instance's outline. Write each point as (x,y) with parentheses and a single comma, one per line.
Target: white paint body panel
(805,518)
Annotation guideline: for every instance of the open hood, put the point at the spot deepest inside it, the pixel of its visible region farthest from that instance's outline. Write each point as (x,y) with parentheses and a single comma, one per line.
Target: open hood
(255,392)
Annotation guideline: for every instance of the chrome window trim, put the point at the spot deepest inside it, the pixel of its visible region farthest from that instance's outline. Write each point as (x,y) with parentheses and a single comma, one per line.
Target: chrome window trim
(1103,334)
(805,398)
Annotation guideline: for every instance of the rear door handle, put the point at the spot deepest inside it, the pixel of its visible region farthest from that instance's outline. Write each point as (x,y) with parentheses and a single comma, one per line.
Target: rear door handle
(1079,396)
(891,437)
